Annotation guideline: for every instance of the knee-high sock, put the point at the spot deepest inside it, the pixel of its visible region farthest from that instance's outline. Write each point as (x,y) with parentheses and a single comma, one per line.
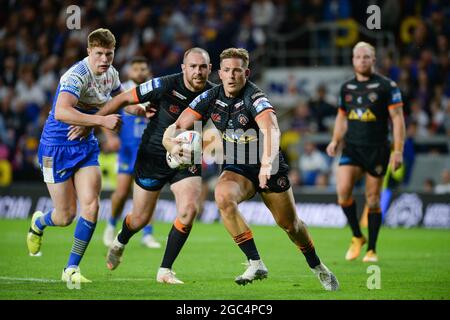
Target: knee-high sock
(177,237)
(83,234)
(148,229)
(310,254)
(247,245)
(126,233)
(349,209)
(374,227)
(45,221)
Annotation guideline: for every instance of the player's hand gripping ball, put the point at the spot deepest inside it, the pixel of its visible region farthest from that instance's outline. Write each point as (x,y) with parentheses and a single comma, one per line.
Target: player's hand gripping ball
(190,141)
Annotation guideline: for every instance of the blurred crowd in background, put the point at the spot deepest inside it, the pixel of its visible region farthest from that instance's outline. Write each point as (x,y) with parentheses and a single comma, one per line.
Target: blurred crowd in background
(36,48)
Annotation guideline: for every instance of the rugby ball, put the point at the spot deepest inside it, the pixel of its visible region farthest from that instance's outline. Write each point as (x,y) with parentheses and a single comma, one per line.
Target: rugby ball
(193,141)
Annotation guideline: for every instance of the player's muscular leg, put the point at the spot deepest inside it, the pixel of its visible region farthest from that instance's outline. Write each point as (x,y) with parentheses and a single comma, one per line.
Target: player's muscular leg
(373,190)
(346,177)
(64,200)
(144,203)
(87,182)
(187,197)
(232,189)
(282,207)
(120,194)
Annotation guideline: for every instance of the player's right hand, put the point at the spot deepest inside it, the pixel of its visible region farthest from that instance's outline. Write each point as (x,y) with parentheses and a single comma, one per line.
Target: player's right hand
(332,148)
(180,151)
(112,122)
(78,132)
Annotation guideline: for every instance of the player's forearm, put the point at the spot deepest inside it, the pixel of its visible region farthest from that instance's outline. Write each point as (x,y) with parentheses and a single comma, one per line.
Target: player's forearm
(135,109)
(340,127)
(72,116)
(168,136)
(398,125)
(271,145)
(115,104)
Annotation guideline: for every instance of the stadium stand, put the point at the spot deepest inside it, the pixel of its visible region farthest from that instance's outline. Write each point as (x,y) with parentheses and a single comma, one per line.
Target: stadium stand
(36,47)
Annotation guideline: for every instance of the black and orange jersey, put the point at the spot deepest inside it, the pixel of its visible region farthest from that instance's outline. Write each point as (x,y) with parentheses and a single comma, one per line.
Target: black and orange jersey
(366,105)
(235,119)
(171,97)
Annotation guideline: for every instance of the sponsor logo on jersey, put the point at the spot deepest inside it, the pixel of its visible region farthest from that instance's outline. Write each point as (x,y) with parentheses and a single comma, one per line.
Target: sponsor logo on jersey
(373,85)
(146,87)
(174,109)
(216,117)
(362,115)
(359,100)
(261,104)
(240,103)
(221,103)
(396,96)
(351,86)
(256,95)
(178,95)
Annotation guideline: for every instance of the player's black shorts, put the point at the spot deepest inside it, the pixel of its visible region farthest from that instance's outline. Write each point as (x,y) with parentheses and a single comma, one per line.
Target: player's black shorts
(151,171)
(278,182)
(372,159)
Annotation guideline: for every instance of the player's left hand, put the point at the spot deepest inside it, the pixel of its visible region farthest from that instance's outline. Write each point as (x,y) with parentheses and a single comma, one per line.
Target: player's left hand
(78,132)
(150,111)
(396,160)
(264,175)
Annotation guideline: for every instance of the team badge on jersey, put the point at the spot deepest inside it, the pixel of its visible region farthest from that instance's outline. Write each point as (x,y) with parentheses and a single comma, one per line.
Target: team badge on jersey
(243,119)
(373,97)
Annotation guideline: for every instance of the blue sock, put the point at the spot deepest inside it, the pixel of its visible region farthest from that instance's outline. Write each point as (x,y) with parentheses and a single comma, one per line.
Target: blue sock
(45,221)
(82,236)
(148,229)
(112,221)
(385,200)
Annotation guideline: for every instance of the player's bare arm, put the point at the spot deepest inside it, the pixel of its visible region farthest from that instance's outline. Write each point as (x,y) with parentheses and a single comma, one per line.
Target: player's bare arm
(65,112)
(268,124)
(398,125)
(340,128)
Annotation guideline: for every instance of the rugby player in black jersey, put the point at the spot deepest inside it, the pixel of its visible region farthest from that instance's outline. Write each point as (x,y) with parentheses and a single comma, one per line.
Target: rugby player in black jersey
(171,95)
(366,103)
(247,121)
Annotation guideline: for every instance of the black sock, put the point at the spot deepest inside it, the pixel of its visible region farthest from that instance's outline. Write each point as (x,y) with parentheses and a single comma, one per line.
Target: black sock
(126,233)
(350,213)
(374,227)
(247,245)
(175,242)
(310,254)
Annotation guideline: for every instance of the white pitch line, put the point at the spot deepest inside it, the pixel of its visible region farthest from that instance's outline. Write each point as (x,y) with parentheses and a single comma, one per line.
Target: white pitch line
(28,279)
(12,279)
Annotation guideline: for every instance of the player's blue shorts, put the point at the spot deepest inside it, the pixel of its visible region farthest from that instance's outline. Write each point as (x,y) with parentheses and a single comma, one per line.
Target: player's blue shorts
(127,158)
(59,163)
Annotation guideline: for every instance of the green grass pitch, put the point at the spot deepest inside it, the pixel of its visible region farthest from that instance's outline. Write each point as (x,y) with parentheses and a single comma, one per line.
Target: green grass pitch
(414,264)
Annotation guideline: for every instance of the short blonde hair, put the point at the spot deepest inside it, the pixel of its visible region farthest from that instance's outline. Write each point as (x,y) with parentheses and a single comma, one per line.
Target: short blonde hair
(101,38)
(239,53)
(363,44)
